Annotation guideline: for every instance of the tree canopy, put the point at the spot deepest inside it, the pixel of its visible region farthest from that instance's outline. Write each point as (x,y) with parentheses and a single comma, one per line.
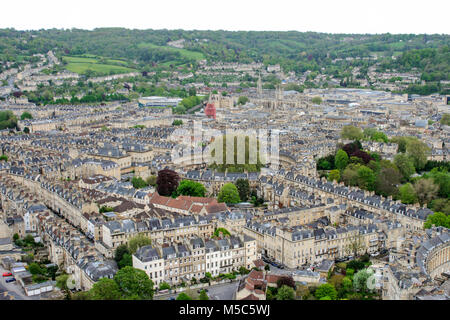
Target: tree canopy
(191,188)
(229,194)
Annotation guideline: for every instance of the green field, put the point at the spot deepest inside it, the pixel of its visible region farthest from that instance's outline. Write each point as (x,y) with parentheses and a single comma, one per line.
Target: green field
(80,64)
(185,53)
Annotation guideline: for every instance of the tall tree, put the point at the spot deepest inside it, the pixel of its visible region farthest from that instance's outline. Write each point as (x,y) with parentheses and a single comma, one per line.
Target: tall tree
(243,188)
(362,280)
(341,159)
(419,152)
(366,178)
(351,133)
(387,181)
(326,290)
(407,194)
(285,293)
(405,164)
(134,284)
(229,194)
(426,190)
(191,188)
(105,289)
(138,241)
(334,175)
(167,182)
(437,219)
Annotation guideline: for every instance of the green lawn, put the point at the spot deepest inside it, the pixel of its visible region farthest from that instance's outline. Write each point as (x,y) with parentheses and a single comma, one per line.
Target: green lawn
(80,64)
(186,53)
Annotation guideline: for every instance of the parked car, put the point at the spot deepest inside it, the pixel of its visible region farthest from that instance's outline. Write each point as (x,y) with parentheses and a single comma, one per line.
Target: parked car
(7,274)
(8,280)
(171,298)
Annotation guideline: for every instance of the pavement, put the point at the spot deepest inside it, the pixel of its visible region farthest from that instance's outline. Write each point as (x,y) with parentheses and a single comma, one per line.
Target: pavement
(221,291)
(224,291)
(12,290)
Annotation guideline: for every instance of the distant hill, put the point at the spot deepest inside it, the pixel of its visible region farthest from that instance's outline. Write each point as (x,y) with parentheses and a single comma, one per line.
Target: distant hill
(330,54)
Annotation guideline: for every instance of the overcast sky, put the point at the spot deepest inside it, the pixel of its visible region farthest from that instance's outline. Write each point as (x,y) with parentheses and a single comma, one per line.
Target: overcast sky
(333,16)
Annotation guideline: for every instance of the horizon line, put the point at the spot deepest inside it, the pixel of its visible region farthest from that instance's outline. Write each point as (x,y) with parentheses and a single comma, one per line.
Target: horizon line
(212,30)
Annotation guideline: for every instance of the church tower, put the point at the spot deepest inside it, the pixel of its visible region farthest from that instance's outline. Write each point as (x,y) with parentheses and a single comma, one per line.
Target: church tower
(259,90)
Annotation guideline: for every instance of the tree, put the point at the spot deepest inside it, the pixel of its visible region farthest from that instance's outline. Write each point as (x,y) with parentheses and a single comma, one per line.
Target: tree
(402,142)
(341,159)
(120,252)
(366,178)
(167,182)
(302,292)
(438,219)
(405,165)
(445,120)
(183,296)
(286,281)
(336,281)
(134,283)
(138,182)
(164,286)
(316,100)
(334,175)
(360,280)
(441,205)
(356,245)
(191,188)
(179,110)
(34,269)
(192,91)
(407,194)
(138,241)
(229,194)
(442,179)
(7,120)
(61,281)
(126,261)
(243,188)
(347,284)
(350,175)
(177,122)
(203,295)
(426,190)
(375,135)
(26,115)
(387,181)
(356,265)
(267,267)
(26,130)
(326,290)
(285,293)
(349,272)
(243,270)
(242,100)
(151,181)
(351,133)
(419,152)
(105,289)
(47,95)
